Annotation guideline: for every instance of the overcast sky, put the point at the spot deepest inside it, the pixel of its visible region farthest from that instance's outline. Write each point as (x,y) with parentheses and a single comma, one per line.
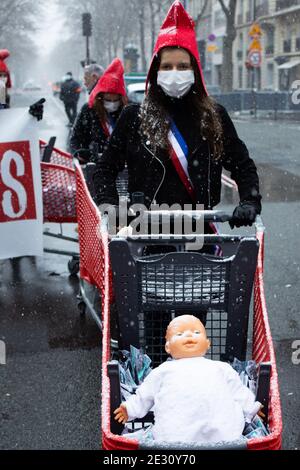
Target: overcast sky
(52,28)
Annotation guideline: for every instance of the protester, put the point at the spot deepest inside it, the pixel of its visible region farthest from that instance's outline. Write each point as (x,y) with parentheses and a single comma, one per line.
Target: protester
(36,109)
(92,73)
(177,143)
(98,117)
(69,95)
(4,79)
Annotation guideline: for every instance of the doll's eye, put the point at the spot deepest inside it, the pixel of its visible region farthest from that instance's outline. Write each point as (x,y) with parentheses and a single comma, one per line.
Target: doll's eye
(197,332)
(179,334)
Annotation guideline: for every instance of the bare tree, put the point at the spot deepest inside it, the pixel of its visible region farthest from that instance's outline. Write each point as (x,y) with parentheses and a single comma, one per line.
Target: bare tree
(157,7)
(18,23)
(227,68)
(200,14)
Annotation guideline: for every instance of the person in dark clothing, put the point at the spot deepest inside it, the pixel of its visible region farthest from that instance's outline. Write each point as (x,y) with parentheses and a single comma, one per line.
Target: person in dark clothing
(98,117)
(177,143)
(69,95)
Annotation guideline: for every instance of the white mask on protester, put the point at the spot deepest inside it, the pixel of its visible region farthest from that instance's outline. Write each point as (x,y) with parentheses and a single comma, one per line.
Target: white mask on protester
(176,83)
(4,80)
(111,106)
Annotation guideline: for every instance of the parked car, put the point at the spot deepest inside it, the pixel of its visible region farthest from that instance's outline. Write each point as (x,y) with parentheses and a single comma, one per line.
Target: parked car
(31,85)
(136,92)
(56,88)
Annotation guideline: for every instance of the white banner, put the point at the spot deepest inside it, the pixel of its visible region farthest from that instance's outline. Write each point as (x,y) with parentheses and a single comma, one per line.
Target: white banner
(21,208)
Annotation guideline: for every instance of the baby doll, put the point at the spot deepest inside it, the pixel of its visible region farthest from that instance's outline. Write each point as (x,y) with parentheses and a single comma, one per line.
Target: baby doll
(194,399)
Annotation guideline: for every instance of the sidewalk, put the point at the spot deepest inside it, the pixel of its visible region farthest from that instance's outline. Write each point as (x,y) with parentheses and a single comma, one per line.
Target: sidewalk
(266,115)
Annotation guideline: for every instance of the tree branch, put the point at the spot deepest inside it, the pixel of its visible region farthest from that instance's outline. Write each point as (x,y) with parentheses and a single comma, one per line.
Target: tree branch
(224,8)
(199,16)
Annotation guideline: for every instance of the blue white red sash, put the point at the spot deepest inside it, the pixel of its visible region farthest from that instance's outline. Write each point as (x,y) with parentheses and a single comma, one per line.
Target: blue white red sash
(179,153)
(108,126)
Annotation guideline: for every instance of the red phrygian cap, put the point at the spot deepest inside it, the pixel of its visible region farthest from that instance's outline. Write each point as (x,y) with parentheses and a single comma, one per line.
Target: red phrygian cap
(3,67)
(112,81)
(178,29)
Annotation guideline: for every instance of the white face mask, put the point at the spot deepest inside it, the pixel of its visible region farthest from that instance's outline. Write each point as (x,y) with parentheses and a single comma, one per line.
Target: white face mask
(176,83)
(111,106)
(4,80)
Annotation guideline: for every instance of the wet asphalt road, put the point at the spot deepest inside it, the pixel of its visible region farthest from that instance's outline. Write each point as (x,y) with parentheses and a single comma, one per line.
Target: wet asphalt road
(50,385)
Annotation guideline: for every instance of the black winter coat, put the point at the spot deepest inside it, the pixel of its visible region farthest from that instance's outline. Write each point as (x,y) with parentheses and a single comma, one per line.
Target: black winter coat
(69,91)
(87,132)
(148,172)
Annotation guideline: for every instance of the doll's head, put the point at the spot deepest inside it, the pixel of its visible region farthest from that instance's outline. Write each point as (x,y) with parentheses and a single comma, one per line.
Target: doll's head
(186,337)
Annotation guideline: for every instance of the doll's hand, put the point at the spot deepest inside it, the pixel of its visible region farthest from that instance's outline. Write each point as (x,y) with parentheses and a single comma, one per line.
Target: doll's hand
(121,414)
(260,413)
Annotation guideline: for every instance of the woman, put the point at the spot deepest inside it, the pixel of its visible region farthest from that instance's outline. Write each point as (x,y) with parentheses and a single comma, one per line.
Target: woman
(177,143)
(98,117)
(36,109)
(5,81)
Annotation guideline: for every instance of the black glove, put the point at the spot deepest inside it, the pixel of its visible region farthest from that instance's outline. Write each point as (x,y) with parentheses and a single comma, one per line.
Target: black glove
(243,215)
(37,109)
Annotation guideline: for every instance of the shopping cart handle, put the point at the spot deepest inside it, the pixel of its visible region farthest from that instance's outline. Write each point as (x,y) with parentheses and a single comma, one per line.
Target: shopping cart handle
(208,216)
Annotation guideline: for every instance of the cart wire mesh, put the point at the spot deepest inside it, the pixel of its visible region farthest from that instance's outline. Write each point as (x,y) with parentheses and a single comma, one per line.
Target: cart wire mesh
(59,193)
(58,157)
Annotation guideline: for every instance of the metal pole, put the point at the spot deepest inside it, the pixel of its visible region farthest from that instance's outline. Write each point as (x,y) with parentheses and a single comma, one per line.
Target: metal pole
(254,72)
(87,50)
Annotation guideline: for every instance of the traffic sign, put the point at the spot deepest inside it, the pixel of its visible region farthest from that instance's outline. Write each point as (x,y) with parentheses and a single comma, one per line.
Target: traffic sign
(255,31)
(255,58)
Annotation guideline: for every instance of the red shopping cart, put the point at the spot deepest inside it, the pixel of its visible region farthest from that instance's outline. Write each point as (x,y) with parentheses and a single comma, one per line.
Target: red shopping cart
(59,198)
(97,252)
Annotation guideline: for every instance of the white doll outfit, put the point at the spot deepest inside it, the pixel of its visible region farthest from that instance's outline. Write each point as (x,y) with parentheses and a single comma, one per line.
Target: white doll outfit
(194,400)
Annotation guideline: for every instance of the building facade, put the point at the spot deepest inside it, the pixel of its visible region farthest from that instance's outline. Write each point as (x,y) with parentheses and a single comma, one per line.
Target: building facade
(280,24)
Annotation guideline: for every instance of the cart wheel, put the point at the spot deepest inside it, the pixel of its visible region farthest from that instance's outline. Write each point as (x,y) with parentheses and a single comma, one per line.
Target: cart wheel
(82,308)
(73,266)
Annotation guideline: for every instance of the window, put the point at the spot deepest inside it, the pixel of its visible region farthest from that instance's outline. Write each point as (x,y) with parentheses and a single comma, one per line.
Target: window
(262,8)
(240,77)
(283,4)
(270,76)
(287,45)
(270,39)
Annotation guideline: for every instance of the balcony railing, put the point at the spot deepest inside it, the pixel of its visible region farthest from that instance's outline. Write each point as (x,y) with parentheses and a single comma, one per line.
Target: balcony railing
(284,4)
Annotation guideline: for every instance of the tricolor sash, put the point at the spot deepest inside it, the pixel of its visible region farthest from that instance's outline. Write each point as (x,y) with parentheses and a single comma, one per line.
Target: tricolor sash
(179,153)
(108,126)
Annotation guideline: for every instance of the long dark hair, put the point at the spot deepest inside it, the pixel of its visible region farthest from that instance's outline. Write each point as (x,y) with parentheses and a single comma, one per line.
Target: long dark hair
(155,121)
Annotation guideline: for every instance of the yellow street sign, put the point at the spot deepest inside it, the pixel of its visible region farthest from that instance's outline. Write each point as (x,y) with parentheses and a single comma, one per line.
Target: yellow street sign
(212,48)
(255,30)
(255,45)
